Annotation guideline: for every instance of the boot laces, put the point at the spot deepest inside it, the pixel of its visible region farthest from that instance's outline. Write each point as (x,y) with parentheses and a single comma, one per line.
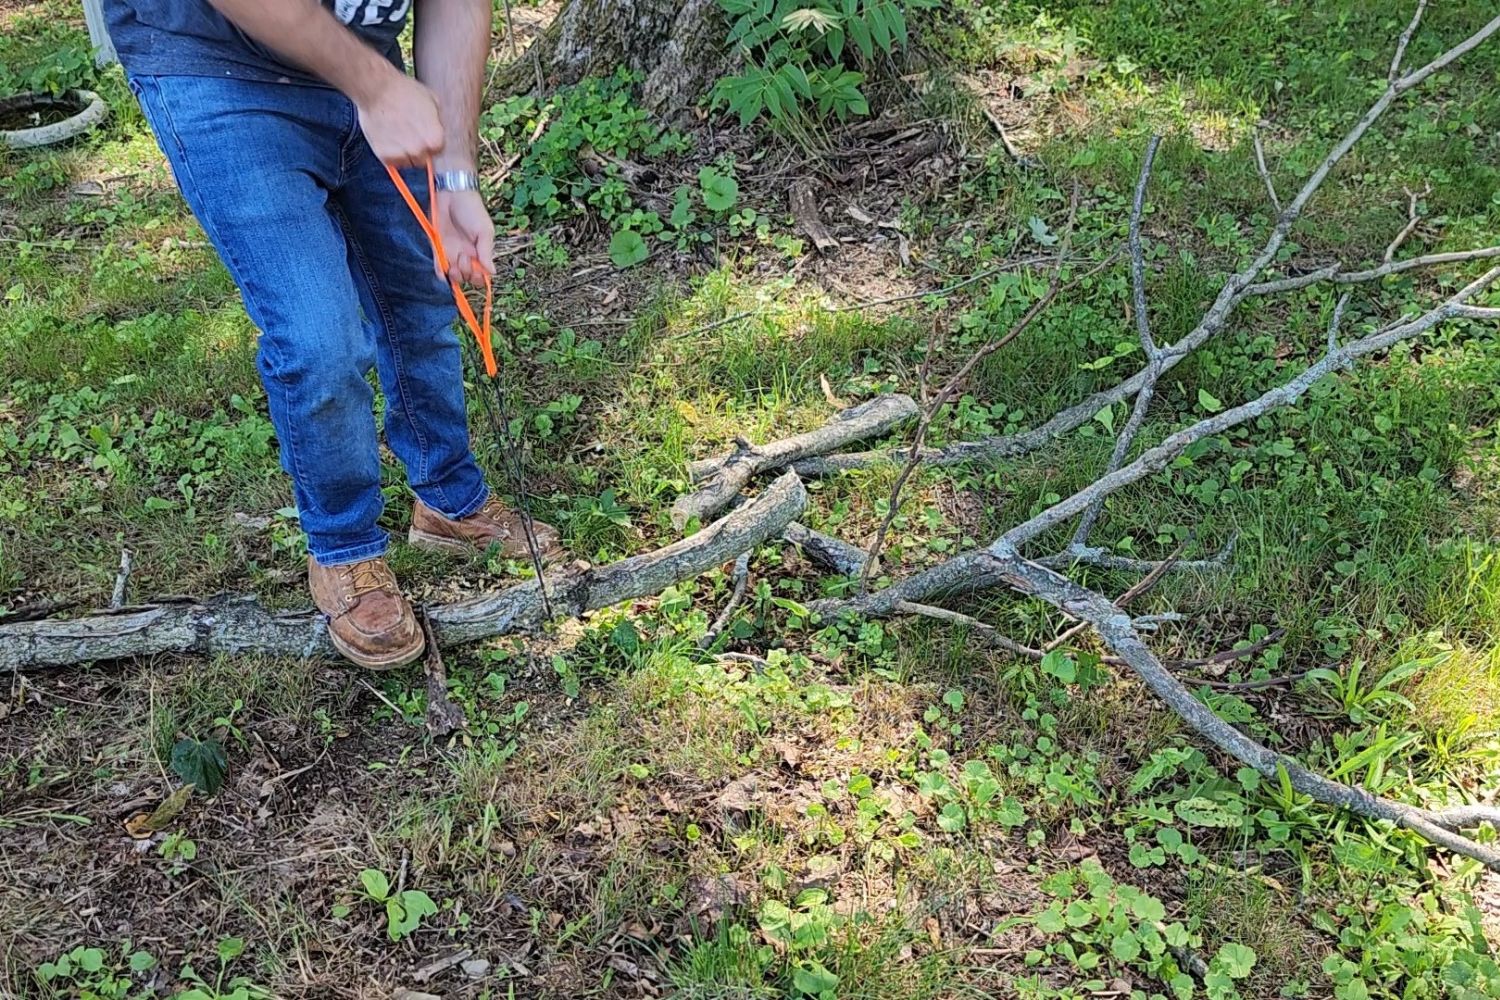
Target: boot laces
(367,577)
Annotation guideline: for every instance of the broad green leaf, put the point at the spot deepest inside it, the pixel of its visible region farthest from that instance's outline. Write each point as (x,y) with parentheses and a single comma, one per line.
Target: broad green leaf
(1060,665)
(1235,959)
(1125,947)
(811,978)
(1040,232)
(625,638)
(200,763)
(376,884)
(1209,402)
(627,248)
(951,819)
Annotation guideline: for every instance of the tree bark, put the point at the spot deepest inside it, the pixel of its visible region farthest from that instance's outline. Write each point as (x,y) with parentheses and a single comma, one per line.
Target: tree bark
(677,48)
(243,625)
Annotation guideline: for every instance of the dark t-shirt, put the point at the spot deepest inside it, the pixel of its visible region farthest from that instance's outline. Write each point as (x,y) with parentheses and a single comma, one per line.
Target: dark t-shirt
(191,38)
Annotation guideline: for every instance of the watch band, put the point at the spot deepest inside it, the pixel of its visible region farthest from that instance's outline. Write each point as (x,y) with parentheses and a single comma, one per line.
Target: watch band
(456,180)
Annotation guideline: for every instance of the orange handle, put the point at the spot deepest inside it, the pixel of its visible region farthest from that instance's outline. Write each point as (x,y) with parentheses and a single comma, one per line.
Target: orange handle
(440,256)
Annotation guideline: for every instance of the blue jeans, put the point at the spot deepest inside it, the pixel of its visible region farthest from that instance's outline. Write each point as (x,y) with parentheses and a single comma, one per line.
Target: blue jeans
(339,278)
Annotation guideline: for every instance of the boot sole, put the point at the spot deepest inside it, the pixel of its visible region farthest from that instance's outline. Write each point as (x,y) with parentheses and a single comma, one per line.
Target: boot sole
(438,543)
(387,661)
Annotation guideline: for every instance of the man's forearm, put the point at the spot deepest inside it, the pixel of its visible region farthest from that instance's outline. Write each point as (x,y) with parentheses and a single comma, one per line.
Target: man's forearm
(307,34)
(451,46)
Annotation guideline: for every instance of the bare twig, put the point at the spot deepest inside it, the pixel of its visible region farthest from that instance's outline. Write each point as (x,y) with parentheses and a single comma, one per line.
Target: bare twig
(1412,221)
(1093,556)
(1334,272)
(1238,653)
(1234,687)
(1148,344)
(720,480)
(1335,321)
(1265,174)
(1401,43)
(741,578)
(1137,251)
(122,581)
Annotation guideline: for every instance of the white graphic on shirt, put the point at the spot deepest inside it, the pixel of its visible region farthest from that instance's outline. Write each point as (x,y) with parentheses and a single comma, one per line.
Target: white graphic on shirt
(367,12)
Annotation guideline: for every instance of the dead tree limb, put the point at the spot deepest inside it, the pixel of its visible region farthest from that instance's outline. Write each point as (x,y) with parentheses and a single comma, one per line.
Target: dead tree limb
(1237,288)
(721,480)
(1154,358)
(239,625)
(1118,633)
(1002,563)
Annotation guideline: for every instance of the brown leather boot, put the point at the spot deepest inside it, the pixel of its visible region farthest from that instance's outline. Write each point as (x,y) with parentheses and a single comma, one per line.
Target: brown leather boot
(492,524)
(369,620)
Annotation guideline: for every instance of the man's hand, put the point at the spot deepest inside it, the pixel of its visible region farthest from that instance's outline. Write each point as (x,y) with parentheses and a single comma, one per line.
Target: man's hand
(468,235)
(401,122)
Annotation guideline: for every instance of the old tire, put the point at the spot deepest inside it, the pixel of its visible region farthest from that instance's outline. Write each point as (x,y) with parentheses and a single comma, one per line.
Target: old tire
(89,110)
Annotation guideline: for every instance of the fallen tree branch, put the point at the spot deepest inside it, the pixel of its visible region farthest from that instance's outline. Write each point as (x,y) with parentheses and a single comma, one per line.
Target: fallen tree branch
(972,570)
(1115,629)
(832,554)
(1094,556)
(722,479)
(1001,563)
(1237,288)
(239,625)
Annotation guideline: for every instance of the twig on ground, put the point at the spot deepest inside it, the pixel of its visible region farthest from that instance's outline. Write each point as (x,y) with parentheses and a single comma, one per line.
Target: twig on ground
(122,581)
(1412,221)
(741,577)
(1260,166)
(1148,343)
(1238,653)
(760,663)
(1234,687)
(1090,555)
(443,716)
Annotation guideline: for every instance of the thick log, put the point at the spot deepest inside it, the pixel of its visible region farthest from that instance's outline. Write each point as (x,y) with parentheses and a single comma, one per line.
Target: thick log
(721,479)
(238,625)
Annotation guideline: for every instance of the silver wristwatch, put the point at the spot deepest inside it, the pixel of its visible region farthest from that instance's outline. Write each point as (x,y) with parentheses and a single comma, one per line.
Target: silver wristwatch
(456,180)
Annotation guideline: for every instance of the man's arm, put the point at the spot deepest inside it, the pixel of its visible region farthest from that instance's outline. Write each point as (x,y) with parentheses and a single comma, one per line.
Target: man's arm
(451,45)
(399,116)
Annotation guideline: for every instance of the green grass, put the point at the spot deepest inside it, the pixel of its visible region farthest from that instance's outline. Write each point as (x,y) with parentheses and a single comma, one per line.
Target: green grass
(915,801)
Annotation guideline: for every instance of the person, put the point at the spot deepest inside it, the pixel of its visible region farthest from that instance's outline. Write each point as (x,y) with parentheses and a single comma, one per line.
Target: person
(278,118)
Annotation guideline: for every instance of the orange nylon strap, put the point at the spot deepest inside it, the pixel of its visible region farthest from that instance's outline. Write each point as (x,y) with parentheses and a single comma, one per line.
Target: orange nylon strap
(440,256)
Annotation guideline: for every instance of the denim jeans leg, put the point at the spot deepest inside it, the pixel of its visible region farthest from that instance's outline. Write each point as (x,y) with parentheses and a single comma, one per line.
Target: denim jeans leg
(416,345)
(255,162)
